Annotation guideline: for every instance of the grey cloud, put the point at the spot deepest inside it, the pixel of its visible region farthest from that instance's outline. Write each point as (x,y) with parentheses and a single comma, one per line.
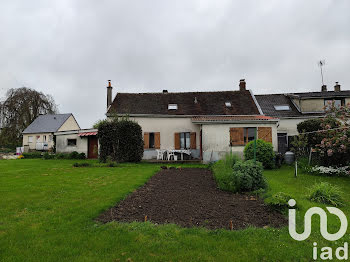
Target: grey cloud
(70,48)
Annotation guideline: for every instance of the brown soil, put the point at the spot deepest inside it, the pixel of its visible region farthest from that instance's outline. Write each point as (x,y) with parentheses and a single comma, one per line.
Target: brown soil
(189,197)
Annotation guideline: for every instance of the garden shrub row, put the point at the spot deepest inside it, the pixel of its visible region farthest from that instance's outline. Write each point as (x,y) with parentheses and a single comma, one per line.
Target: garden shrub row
(46,155)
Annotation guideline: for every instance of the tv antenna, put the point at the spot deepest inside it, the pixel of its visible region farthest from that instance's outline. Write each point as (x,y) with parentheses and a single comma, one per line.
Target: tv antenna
(321,64)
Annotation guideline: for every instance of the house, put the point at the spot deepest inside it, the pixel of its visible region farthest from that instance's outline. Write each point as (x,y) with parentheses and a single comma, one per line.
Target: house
(293,108)
(209,124)
(82,141)
(39,135)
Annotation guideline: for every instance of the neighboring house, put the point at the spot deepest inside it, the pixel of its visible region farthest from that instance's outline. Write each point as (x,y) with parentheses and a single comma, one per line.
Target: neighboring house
(83,141)
(294,108)
(39,135)
(209,124)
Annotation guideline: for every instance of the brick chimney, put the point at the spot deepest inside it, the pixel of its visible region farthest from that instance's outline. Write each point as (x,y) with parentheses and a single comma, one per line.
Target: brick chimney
(324,88)
(242,85)
(109,93)
(337,87)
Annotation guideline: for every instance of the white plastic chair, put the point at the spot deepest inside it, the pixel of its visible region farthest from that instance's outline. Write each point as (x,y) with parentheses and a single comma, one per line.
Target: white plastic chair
(171,153)
(160,154)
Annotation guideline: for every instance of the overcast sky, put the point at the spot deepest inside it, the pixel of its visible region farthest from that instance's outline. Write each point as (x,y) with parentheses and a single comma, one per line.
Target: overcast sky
(70,48)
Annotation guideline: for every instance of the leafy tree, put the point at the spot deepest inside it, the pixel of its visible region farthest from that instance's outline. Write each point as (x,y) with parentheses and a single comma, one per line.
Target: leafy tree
(334,148)
(19,109)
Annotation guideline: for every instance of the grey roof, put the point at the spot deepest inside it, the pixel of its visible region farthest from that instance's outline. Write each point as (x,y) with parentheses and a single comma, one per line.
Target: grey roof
(267,103)
(46,123)
(327,94)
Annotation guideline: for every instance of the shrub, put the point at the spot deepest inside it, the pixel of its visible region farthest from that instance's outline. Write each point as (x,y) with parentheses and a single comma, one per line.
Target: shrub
(279,201)
(74,155)
(251,169)
(223,172)
(242,177)
(47,156)
(32,155)
(82,156)
(61,156)
(85,164)
(120,139)
(325,193)
(264,153)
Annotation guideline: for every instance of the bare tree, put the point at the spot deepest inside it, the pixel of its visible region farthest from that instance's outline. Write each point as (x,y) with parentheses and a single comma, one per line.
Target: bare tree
(20,107)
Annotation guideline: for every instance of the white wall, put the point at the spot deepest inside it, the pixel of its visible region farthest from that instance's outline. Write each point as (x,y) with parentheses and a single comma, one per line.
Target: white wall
(216,140)
(62,143)
(70,124)
(37,138)
(167,127)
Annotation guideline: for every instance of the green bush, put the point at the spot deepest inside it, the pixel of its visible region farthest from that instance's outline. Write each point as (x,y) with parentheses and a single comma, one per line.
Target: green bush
(61,156)
(223,172)
(242,177)
(121,140)
(325,193)
(82,156)
(74,155)
(32,155)
(279,201)
(264,153)
(47,156)
(85,164)
(251,169)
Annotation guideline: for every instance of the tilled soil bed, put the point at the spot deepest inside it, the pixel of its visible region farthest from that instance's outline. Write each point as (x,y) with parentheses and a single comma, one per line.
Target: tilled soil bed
(189,197)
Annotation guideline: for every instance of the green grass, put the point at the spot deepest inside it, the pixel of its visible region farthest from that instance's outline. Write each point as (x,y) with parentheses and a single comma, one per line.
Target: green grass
(47,211)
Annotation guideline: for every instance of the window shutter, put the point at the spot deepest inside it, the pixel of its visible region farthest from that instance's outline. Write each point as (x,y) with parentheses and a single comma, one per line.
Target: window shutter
(177,141)
(146,140)
(265,133)
(237,136)
(193,140)
(157,140)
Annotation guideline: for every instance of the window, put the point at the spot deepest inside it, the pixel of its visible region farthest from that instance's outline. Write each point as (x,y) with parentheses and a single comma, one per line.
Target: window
(337,102)
(240,136)
(151,140)
(30,139)
(172,107)
(44,138)
(71,142)
(185,140)
(249,134)
(282,108)
(228,104)
(50,138)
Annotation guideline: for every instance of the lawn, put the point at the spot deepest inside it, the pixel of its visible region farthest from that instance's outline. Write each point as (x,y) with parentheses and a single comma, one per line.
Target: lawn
(47,211)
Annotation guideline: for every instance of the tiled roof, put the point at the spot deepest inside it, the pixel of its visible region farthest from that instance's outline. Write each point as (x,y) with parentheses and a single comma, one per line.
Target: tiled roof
(46,123)
(327,94)
(268,102)
(232,118)
(189,103)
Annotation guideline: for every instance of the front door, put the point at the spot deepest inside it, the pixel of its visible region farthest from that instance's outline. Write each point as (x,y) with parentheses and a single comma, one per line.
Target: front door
(282,143)
(92,147)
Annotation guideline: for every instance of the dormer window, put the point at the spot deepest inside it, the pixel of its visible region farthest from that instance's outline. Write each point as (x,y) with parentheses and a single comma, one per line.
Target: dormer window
(172,107)
(228,104)
(282,108)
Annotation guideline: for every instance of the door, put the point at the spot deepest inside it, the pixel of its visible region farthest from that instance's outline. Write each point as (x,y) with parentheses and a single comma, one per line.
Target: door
(92,147)
(282,143)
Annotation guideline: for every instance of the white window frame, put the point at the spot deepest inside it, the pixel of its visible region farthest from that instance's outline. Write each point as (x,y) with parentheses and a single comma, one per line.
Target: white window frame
(30,139)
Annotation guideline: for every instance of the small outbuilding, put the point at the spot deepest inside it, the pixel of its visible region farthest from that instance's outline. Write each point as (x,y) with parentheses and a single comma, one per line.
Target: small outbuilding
(82,141)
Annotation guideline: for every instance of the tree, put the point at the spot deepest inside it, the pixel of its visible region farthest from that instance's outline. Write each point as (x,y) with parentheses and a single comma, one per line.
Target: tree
(334,148)
(121,140)
(19,109)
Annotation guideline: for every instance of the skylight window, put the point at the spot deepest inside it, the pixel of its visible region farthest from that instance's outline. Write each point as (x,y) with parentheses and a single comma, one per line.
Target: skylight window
(282,108)
(228,104)
(172,107)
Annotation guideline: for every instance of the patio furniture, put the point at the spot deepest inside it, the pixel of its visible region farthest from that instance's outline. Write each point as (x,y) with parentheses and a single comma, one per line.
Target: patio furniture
(160,154)
(170,154)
